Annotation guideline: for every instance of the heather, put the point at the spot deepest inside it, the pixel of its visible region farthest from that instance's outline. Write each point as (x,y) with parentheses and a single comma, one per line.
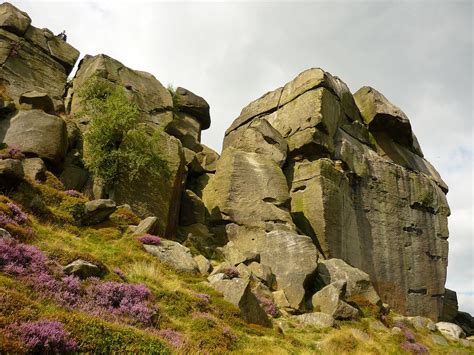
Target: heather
(14,219)
(149,239)
(138,306)
(230,272)
(45,336)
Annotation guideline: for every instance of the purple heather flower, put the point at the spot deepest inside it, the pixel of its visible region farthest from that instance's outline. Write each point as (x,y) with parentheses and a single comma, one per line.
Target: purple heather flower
(231,272)
(173,337)
(415,348)
(121,300)
(73,193)
(19,216)
(268,305)
(149,239)
(45,336)
(409,335)
(119,273)
(204,297)
(229,333)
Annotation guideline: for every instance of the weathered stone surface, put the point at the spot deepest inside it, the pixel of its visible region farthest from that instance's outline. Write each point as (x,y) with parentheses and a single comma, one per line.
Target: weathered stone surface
(293,260)
(450,330)
(315,319)
(259,137)
(358,183)
(192,209)
(13,20)
(330,300)
(197,184)
(37,100)
(280,299)
(158,196)
(199,237)
(438,340)
(206,159)
(235,256)
(74,177)
(194,105)
(36,132)
(265,104)
(174,255)
(11,173)
(33,61)
(203,264)
(358,282)
(34,169)
(187,129)
(381,115)
(82,269)
(422,323)
(466,322)
(97,211)
(450,306)
(310,121)
(143,88)
(248,188)
(237,292)
(147,226)
(263,273)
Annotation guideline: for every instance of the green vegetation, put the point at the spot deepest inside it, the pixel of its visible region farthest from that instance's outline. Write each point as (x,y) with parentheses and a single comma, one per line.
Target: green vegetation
(191,317)
(116,145)
(176,99)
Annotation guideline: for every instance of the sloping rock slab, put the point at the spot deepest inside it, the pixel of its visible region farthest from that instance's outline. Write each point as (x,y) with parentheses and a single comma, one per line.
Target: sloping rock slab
(175,255)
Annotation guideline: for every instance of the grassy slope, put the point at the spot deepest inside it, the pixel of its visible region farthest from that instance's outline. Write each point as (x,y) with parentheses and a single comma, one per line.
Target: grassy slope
(219,331)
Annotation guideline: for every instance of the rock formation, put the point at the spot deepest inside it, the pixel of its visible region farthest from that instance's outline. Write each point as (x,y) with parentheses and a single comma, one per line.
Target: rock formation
(320,200)
(345,170)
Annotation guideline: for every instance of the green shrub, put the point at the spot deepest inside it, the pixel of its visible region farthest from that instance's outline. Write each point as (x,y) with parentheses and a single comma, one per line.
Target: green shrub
(176,99)
(116,146)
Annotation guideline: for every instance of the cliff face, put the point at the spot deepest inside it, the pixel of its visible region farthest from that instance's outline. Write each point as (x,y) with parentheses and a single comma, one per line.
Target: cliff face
(308,172)
(345,170)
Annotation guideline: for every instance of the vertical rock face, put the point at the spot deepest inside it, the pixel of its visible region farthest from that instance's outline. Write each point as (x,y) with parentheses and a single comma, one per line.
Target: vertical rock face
(357,182)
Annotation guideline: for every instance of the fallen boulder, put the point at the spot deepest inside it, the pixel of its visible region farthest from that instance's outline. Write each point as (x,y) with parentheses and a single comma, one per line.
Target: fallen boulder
(237,292)
(83,269)
(315,319)
(358,282)
(174,255)
(330,300)
(97,211)
(450,330)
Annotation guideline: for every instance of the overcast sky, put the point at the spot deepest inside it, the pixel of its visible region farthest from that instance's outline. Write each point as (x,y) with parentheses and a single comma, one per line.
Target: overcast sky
(419,54)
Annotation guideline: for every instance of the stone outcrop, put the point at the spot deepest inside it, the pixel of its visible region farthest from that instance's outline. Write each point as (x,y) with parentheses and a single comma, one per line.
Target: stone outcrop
(357,181)
(32,58)
(320,198)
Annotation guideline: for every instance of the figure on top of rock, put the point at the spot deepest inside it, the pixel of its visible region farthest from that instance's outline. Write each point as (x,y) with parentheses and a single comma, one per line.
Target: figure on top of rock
(62,36)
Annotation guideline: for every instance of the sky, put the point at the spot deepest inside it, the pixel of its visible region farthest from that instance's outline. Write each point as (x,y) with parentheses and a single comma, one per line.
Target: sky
(419,54)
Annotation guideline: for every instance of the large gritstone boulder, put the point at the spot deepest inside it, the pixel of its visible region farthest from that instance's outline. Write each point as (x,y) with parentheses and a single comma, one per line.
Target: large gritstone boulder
(358,184)
(36,133)
(31,58)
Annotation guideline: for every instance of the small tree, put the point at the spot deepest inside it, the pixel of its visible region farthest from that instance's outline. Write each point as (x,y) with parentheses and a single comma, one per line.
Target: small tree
(116,145)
